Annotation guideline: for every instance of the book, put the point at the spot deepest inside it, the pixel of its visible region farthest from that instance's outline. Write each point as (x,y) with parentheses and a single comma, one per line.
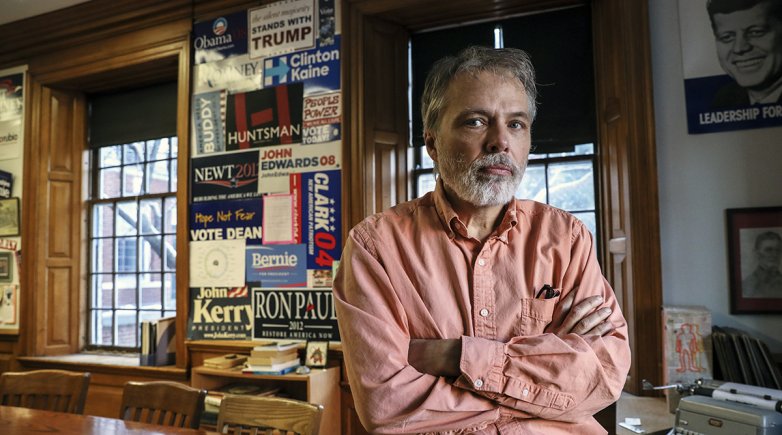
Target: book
(225,361)
(276,347)
(273,354)
(247,371)
(271,368)
(158,345)
(270,360)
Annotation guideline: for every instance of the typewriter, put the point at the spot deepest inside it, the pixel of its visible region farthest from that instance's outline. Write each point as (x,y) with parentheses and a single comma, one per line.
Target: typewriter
(712,407)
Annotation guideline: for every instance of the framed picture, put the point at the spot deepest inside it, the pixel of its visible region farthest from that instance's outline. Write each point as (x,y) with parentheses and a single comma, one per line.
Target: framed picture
(6,266)
(9,217)
(755,256)
(317,353)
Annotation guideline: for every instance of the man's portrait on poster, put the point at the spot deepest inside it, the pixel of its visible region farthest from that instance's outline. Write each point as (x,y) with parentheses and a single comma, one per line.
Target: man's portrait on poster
(732,63)
(748,41)
(755,250)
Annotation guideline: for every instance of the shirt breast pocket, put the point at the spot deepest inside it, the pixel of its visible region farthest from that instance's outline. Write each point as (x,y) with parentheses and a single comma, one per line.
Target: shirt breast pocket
(535,315)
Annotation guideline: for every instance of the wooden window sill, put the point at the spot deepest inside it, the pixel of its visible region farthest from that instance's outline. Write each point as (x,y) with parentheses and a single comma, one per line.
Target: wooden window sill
(105,364)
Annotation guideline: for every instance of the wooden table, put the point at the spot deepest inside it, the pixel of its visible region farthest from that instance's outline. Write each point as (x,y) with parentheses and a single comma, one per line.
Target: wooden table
(19,421)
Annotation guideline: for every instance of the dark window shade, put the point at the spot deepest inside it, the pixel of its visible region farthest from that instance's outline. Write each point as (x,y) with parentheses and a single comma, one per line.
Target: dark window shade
(560,46)
(132,116)
(426,48)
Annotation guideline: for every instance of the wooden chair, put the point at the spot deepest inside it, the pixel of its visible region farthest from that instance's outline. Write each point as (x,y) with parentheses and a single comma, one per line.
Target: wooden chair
(162,402)
(249,414)
(51,390)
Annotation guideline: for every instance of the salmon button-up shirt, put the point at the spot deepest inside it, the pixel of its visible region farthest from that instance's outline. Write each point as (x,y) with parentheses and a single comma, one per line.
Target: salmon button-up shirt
(412,272)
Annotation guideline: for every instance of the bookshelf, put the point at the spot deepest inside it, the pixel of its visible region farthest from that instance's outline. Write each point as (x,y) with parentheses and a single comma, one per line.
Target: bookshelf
(320,386)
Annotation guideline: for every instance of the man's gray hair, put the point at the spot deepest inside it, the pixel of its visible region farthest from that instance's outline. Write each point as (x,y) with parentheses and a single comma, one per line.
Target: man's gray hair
(473,60)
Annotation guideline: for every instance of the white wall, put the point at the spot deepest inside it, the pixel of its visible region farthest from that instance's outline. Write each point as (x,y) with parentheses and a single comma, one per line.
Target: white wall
(699,177)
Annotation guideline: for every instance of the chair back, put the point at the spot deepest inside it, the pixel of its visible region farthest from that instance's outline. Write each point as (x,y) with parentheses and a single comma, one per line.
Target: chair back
(256,415)
(51,390)
(162,402)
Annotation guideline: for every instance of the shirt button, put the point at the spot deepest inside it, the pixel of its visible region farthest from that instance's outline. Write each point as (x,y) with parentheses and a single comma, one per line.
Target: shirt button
(484,312)
(482,262)
(525,392)
(478,383)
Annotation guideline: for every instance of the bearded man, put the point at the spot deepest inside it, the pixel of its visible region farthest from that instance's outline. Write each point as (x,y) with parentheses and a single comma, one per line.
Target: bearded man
(467,310)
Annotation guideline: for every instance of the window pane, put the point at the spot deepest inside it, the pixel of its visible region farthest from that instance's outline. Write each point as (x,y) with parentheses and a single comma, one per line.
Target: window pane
(127,328)
(127,213)
(157,177)
(174,144)
(134,175)
(151,216)
(571,186)
(588,219)
(109,156)
(533,185)
(102,255)
(103,220)
(126,254)
(426,183)
(133,153)
(426,161)
(108,183)
(169,290)
(170,216)
(149,256)
(173,175)
(169,252)
(102,327)
(157,149)
(126,291)
(102,290)
(150,291)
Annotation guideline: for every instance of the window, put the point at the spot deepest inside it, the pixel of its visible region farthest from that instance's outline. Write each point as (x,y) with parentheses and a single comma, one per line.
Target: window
(132,239)
(561,166)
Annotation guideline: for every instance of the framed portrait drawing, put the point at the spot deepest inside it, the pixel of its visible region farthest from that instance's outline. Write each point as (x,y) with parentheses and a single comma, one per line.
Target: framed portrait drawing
(9,217)
(755,259)
(317,353)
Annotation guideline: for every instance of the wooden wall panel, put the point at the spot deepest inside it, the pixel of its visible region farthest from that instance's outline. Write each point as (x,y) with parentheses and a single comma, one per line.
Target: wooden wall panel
(378,130)
(61,210)
(58,322)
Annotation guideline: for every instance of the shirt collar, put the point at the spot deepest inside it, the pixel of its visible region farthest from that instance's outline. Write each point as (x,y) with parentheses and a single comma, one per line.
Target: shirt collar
(453,225)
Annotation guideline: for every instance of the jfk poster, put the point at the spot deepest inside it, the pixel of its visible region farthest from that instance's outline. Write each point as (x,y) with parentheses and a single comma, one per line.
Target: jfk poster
(732,62)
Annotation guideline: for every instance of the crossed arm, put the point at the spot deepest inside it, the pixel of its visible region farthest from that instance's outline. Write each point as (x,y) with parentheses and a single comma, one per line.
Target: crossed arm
(441,357)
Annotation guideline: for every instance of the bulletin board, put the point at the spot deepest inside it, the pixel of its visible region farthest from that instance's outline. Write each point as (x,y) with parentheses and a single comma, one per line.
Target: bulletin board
(266,173)
(12,103)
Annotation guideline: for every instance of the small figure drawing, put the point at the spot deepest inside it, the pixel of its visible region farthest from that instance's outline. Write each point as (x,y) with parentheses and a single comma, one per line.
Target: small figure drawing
(316,357)
(689,347)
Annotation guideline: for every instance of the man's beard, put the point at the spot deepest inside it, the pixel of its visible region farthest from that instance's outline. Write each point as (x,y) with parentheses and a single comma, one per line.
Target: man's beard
(470,183)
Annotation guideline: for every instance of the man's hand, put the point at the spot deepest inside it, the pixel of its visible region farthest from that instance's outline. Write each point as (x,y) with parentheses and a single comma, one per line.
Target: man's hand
(435,357)
(583,319)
